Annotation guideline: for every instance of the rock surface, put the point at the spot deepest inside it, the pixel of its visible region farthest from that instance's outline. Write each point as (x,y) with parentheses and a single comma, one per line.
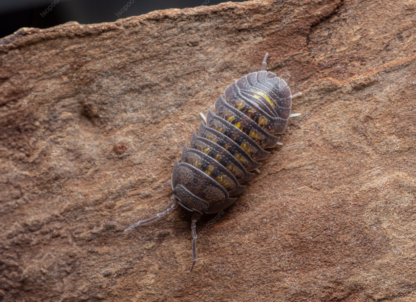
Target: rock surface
(92,118)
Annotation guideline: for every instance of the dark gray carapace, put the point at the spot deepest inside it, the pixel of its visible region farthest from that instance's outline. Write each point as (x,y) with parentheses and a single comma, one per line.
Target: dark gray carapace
(228,147)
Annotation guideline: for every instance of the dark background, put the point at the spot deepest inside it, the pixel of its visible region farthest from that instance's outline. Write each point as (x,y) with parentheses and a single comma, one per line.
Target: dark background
(15,14)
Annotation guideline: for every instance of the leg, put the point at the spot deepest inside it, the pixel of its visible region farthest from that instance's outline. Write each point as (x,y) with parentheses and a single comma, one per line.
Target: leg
(195,218)
(264,64)
(168,183)
(159,215)
(295,96)
(203,117)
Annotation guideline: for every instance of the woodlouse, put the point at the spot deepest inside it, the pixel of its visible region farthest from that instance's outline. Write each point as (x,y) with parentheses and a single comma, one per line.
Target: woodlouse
(228,147)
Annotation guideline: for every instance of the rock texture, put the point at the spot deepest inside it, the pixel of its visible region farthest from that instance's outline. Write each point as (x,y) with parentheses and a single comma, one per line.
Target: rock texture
(92,118)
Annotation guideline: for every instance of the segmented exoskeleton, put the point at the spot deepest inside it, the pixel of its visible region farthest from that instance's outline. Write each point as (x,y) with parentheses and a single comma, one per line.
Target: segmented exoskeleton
(227,149)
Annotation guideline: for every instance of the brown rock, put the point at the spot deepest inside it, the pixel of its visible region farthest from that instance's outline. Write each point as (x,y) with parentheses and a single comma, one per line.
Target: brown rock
(93,116)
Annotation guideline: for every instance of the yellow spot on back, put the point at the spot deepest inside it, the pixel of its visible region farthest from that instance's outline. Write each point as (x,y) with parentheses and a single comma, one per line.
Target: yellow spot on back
(254,134)
(218,127)
(234,170)
(206,150)
(250,113)
(247,147)
(231,119)
(263,121)
(218,157)
(211,137)
(240,158)
(197,164)
(209,170)
(223,180)
(231,168)
(240,104)
(238,125)
(265,96)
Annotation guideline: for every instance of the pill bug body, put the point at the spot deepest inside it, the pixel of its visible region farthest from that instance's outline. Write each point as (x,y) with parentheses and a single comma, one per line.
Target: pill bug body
(226,151)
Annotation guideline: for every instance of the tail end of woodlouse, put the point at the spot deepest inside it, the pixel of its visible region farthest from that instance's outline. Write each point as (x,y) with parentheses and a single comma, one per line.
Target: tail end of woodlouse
(173,207)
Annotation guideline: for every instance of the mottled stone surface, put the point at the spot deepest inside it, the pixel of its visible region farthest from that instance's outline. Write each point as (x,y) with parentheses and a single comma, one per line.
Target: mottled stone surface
(92,118)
